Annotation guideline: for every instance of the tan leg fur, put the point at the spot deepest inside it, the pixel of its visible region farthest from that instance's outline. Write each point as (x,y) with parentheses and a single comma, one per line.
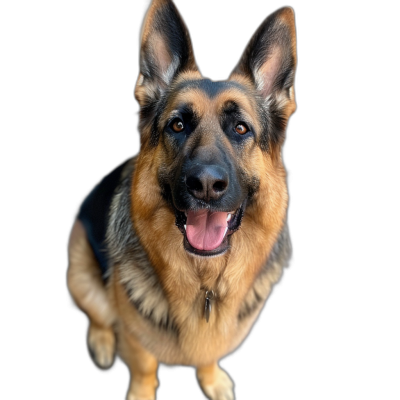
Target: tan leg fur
(87,289)
(142,366)
(86,286)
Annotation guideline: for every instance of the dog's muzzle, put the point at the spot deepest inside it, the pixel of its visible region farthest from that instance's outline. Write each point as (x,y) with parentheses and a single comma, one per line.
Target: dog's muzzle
(206,198)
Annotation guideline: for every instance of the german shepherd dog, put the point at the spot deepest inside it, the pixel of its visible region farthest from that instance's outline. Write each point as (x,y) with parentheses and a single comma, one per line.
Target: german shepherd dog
(174,253)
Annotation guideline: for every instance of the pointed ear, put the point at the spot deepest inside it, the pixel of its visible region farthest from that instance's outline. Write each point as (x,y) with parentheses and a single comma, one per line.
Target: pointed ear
(166,50)
(269,60)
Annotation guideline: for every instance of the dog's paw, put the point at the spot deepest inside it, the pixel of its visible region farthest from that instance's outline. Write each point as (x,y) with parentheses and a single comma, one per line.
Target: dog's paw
(142,390)
(219,386)
(132,396)
(101,343)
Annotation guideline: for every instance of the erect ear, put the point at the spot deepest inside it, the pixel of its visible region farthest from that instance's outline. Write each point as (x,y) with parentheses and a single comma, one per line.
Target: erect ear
(269,60)
(166,51)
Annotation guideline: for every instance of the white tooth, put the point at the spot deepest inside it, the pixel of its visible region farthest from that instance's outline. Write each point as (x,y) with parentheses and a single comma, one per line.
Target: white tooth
(228,218)
(226,229)
(185,227)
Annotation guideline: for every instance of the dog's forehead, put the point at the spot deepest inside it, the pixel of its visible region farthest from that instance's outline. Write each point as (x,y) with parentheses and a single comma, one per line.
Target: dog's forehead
(208,87)
(207,97)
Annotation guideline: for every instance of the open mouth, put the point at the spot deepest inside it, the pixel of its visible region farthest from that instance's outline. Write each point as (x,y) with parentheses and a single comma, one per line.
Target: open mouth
(206,232)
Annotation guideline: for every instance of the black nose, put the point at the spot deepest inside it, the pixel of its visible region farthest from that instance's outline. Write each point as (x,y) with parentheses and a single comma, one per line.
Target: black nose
(207,182)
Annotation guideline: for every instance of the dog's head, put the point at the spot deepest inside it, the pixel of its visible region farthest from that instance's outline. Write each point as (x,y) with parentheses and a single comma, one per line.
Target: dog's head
(215,146)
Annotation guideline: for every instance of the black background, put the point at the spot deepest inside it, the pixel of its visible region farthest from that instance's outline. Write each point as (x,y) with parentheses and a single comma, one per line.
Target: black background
(306,342)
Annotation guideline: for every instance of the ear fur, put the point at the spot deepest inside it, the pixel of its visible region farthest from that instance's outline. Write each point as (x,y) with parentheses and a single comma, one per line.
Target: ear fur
(166,51)
(270,59)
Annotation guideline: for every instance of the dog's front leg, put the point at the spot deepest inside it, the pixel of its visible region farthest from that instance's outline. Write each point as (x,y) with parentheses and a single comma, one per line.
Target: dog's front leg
(142,366)
(215,382)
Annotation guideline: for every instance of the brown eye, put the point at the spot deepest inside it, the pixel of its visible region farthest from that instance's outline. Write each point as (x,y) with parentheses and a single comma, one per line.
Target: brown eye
(178,126)
(241,129)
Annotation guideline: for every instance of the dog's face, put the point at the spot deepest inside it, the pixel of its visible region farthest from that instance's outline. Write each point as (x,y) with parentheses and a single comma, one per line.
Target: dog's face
(213,142)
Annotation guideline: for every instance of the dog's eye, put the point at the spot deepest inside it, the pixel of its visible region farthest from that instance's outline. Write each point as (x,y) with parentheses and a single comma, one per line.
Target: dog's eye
(177,126)
(241,129)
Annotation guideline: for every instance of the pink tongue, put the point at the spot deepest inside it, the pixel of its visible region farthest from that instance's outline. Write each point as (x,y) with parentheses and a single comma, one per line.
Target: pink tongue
(206,230)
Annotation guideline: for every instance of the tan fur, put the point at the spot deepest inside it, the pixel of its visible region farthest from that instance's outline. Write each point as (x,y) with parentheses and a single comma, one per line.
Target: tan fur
(142,366)
(84,279)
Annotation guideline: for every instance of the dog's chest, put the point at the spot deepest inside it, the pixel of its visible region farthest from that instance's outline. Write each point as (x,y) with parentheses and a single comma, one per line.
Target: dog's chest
(178,331)
(167,313)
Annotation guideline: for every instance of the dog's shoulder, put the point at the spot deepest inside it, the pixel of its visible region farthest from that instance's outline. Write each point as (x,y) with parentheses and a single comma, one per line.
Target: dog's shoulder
(270,274)
(121,238)
(136,274)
